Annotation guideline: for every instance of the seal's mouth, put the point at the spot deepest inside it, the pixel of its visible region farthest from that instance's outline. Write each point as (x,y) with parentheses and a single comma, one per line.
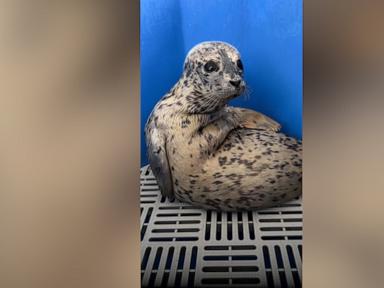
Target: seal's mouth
(237,92)
(241,89)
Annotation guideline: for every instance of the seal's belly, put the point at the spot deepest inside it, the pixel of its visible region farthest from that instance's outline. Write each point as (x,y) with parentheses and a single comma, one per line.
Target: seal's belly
(251,169)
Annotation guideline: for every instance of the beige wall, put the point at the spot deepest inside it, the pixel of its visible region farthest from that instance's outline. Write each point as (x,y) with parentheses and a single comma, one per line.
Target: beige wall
(68,142)
(343,142)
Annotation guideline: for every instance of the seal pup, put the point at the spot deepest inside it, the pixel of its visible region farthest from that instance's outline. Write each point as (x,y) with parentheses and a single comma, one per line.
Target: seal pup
(215,156)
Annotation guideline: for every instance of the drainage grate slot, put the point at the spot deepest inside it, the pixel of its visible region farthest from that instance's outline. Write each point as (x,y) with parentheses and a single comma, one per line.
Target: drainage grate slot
(180,265)
(251,231)
(165,222)
(296,279)
(271,229)
(209,216)
(216,247)
(267,259)
(178,279)
(299,237)
(157,258)
(283,280)
(270,280)
(243,247)
(218,231)
(294,228)
(291,257)
(269,220)
(187,239)
(290,205)
(241,232)
(163,230)
(216,269)
(144,260)
(148,195)
(160,239)
(189,222)
(245,269)
(169,258)
(187,230)
(164,281)
(152,279)
(169,208)
(143,230)
(208,231)
(293,220)
(229,231)
(148,216)
(291,212)
(215,281)
(193,258)
(244,257)
(246,281)
(272,238)
(279,258)
(168,215)
(189,214)
(268,213)
(147,201)
(191,280)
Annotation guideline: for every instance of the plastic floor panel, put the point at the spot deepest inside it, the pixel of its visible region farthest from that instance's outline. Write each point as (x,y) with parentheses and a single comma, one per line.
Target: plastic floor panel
(183,246)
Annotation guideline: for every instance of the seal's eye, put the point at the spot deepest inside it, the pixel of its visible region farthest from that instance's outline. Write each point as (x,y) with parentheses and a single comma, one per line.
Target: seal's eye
(240,65)
(211,66)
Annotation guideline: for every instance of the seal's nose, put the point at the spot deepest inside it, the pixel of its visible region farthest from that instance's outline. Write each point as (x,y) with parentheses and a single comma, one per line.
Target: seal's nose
(235,83)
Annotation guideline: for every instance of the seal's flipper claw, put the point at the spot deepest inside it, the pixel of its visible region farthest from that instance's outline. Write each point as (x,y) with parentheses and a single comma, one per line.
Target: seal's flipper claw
(254,120)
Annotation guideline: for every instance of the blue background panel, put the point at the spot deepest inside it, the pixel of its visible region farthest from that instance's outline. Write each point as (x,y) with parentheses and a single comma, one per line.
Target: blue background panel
(268,34)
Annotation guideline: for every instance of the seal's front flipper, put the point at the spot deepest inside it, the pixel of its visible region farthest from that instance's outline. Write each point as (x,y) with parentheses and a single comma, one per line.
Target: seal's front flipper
(254,120)
(158,161)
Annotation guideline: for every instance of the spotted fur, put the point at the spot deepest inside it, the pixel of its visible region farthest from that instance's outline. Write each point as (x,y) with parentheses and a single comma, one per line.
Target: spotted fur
(204,152)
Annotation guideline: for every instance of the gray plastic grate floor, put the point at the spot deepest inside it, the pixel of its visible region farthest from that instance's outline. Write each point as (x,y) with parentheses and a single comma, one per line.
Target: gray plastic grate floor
(183,246)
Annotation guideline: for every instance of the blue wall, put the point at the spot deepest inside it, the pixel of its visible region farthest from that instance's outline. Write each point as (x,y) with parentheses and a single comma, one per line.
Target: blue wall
(268,34)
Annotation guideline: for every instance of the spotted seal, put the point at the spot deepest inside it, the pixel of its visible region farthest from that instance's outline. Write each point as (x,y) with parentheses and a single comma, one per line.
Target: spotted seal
(215,156)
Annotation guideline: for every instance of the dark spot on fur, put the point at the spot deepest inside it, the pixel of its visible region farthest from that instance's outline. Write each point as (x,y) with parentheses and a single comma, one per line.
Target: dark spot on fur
(222,160)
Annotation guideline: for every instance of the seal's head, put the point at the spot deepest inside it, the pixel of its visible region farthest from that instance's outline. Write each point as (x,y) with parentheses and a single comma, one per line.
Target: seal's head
(213,74)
